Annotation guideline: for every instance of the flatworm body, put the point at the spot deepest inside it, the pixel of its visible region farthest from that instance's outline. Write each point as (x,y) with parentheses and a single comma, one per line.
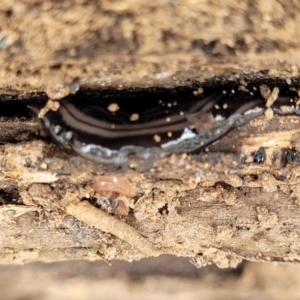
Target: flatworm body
(110,130)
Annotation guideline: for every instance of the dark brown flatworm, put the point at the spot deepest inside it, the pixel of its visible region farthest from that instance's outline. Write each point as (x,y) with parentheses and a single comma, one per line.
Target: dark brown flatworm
(109,130)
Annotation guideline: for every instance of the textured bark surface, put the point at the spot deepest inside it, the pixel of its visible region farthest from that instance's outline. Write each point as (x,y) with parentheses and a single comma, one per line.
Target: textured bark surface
(220,206)
(217,206)
(163,277)
(46,45)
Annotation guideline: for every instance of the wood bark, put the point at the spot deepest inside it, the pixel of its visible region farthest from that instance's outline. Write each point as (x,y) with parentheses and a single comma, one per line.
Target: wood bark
(220,206)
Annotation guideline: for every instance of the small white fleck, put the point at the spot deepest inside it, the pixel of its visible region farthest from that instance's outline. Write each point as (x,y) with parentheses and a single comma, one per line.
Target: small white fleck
(181,113)
(232,91)
(43,166)
(67,135)
(112,126)
(217,106)
(113,107)
(162,75)
(57,129)
(219,118)
(225,105)
(169,104)
(187,134)
(115,179)
(200,91)
(169,134)
(168,119)
(224,92)
(253,110)
(157,138)
(134,117)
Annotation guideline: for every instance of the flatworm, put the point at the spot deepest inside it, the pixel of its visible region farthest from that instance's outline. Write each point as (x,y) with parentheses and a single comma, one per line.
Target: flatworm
(110,130)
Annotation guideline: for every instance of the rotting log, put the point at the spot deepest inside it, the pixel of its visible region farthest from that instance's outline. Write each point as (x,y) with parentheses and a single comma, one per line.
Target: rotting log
(53,47)
(219,206)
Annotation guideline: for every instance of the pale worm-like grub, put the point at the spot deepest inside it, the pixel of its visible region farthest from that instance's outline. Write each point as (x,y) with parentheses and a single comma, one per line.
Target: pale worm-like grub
(87,213)
(115,184)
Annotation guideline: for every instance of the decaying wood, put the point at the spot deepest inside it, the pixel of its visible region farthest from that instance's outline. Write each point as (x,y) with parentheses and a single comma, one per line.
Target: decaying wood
(239,199)
(219,206)
(54,47)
